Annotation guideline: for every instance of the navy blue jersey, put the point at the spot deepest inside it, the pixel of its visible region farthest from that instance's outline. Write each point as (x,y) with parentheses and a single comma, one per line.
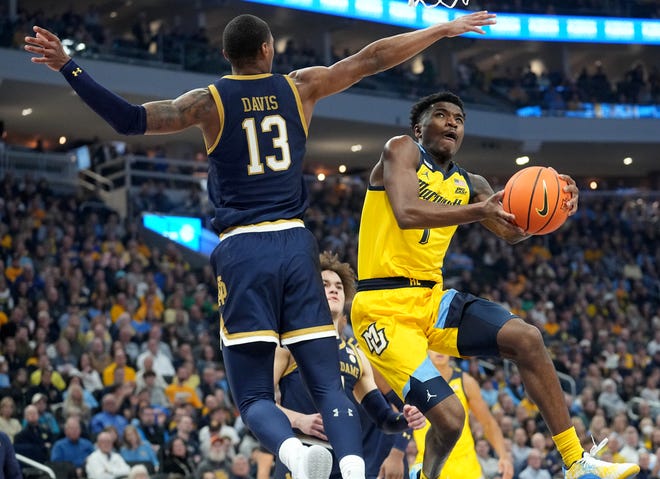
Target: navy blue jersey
(255,164)
(376,444)
(293,393)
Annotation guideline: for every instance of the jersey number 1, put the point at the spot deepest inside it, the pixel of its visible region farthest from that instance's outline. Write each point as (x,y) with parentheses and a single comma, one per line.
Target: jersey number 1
(281,141)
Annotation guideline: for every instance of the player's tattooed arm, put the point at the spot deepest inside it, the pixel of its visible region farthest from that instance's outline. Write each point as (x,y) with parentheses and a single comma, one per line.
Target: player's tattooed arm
(193,108)
(482,191)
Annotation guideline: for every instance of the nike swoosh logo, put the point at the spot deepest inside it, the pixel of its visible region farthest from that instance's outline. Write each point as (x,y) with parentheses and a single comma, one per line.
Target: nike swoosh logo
(544,211)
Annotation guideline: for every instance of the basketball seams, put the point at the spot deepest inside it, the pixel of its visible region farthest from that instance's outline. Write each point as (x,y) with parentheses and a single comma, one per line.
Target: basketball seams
(513,180)
(531,199)
(556,202)
(521,198)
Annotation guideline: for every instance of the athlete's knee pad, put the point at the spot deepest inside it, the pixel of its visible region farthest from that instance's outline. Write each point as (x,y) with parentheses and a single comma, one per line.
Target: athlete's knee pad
(427,394)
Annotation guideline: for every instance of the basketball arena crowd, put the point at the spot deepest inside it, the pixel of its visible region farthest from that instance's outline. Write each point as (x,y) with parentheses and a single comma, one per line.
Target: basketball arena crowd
(109,344)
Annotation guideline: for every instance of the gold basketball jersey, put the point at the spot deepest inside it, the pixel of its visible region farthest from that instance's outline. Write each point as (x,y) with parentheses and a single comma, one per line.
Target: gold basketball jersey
(385,250)
(462,461)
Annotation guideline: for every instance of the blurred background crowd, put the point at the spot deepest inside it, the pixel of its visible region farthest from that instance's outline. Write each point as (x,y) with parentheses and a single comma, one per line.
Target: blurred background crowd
(105,333)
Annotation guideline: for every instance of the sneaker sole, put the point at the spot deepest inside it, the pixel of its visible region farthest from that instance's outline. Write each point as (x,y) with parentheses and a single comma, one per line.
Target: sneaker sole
(319,463)
(628,474)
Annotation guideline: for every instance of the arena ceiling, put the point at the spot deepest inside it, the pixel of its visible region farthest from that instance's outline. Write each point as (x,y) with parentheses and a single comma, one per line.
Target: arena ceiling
(331,140)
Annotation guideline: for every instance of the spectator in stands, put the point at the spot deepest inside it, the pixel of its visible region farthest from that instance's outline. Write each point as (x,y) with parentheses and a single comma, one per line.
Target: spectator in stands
(47,419)
(217,426)
(99,356)
(108,416)
(631,445)
(78,402)
(33,441)
(8,423)
(9,467)
(176,459)
(134,449)
(217,459)
(179,392)
(119,356)
(520,449)
(186,430)
(162,364)
(138,471)
(125,338)
(91,379)
(47,381)
(149,427)
(489,464)
(534,469)
(157,332)
(148,365)
(155,392)
(610,400)
(103,462)
(72,447)
(240,468)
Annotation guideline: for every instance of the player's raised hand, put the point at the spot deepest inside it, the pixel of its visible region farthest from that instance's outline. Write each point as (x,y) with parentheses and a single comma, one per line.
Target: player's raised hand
(415,418)
(471,23)
(48,46)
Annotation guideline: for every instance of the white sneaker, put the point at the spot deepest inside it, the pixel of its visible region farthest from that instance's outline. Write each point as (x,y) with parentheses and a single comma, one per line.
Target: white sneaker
(591,468)
(314,463)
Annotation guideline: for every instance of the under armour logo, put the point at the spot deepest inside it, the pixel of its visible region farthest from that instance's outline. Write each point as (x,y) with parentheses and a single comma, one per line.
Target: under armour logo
(76,72)
(430,396)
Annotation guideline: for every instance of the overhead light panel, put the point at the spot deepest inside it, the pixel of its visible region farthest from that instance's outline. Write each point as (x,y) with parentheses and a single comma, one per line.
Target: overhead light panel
(522,160)
(355,148)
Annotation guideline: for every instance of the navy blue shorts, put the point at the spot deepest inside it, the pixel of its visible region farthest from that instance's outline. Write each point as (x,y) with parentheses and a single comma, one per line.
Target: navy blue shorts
(270,288)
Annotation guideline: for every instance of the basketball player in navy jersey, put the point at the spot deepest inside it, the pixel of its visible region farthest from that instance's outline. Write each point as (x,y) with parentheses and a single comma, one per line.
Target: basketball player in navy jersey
(385,433)
(254,124)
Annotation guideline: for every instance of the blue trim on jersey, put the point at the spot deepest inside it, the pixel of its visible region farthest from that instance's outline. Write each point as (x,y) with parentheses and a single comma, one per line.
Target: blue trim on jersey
(423,373)
(376,188)
(443,310)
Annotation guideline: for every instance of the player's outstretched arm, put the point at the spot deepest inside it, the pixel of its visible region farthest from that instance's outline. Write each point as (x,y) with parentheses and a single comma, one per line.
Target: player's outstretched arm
(315,83)
(194,108)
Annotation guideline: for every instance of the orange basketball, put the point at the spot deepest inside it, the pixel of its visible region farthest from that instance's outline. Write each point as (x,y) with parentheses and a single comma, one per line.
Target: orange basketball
(535,196)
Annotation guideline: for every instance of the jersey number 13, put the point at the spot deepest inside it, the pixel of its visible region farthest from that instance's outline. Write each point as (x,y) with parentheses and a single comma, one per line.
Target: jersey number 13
(281,141)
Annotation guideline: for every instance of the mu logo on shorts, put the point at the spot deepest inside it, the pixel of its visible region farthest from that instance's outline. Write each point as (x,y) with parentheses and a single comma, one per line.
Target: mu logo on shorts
(375,339)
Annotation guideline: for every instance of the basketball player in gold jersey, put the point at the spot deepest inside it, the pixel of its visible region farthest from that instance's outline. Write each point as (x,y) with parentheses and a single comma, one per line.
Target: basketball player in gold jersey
(417,197)
(463,461)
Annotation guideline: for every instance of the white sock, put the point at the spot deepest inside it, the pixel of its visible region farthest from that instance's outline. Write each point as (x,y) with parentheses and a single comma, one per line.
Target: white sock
(352,467)
(290,451)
